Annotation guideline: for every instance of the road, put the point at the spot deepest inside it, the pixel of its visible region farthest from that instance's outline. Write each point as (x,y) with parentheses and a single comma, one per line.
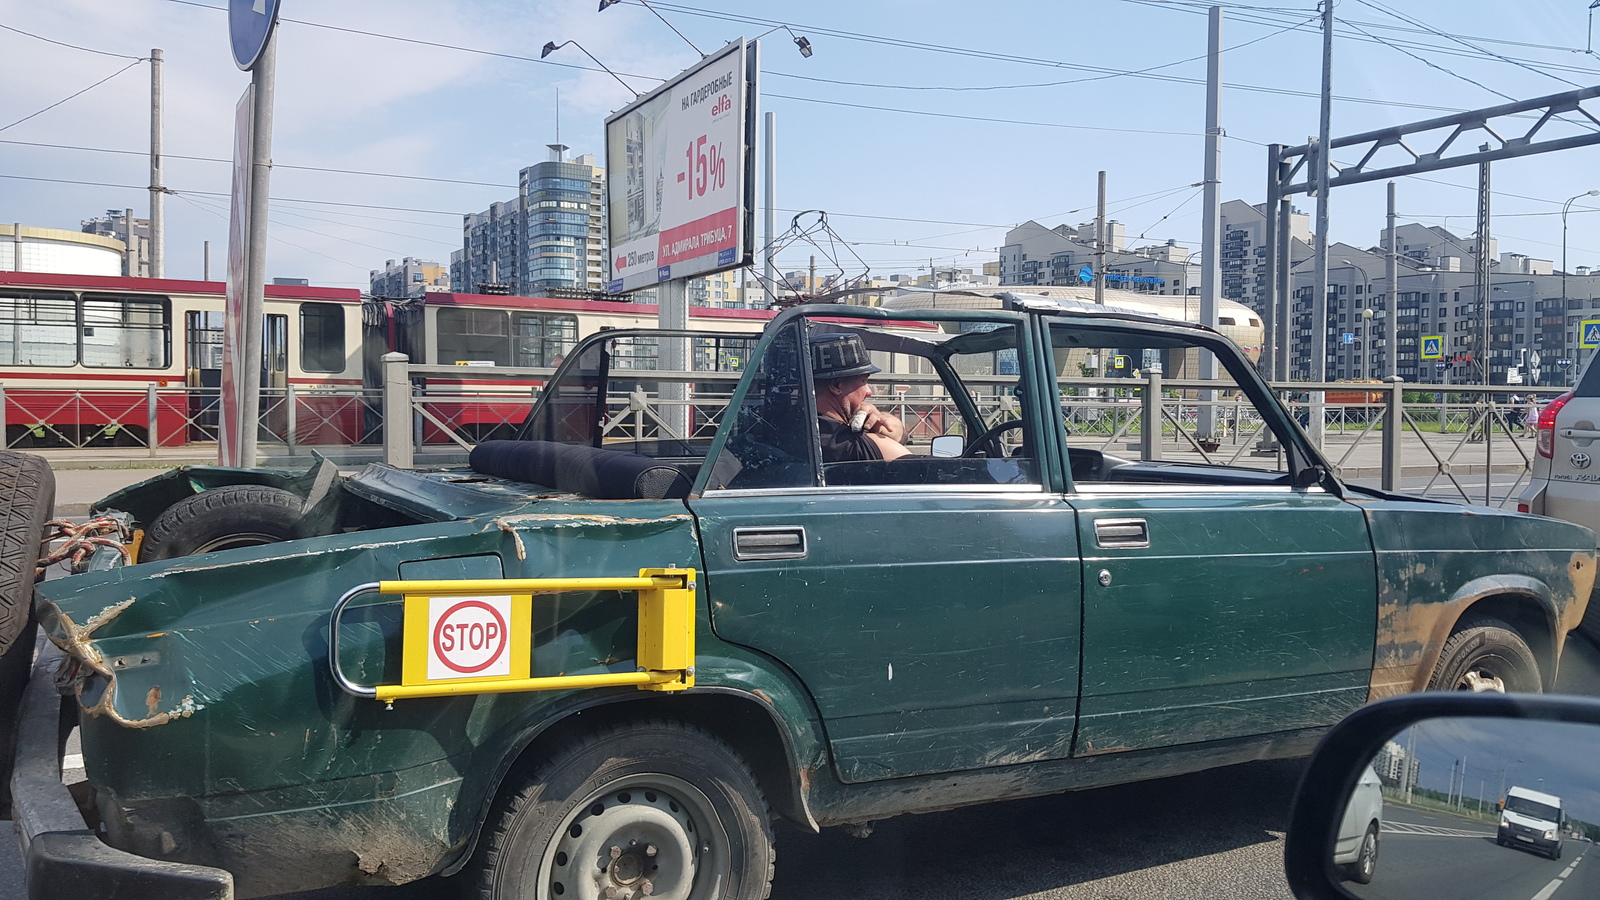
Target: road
(1432,854)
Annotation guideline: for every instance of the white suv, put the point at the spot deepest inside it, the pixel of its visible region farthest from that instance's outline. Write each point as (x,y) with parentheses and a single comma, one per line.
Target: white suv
(1566,466)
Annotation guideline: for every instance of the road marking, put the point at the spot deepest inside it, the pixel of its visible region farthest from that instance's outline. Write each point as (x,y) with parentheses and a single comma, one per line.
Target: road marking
(1431,830)
(1555,883)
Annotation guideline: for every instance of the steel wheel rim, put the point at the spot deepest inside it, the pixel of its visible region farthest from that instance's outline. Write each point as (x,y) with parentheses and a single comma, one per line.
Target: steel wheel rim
(236,541)
(645,835)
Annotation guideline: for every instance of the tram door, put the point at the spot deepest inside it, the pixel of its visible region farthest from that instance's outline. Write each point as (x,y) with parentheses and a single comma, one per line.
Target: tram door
(203,330)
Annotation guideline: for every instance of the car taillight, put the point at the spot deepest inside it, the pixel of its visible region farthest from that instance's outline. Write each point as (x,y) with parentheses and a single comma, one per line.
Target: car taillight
(1547,425)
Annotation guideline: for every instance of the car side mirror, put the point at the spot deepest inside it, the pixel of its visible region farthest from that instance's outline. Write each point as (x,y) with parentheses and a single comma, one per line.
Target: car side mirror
(947,445)
(1442,795)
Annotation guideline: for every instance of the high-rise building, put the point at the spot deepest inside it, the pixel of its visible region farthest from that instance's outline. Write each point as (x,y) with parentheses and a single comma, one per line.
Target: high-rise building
(114,224)
(1063,255)
(564,209)
(550,236)
(411,277)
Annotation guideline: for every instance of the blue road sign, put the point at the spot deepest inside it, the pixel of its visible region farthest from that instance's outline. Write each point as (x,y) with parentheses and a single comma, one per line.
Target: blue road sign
(1590,338)
(1433,346)
(249,25)
(1347,338)
(1086,274)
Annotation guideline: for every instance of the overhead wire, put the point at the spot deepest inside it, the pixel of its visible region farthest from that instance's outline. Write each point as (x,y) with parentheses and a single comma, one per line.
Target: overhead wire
(40,37)
(71,96)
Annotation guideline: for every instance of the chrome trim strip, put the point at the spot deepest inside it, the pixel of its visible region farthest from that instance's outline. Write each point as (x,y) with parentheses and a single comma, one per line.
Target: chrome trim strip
(1028,490)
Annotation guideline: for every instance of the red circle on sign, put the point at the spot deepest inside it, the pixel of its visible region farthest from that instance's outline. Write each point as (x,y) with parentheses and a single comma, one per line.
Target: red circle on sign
(444,620)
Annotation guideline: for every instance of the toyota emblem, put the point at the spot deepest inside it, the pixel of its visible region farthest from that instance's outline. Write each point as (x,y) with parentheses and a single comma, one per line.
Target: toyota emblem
(1580,460)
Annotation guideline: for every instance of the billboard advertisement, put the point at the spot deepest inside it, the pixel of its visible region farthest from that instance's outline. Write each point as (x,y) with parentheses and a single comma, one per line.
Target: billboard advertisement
(680,174)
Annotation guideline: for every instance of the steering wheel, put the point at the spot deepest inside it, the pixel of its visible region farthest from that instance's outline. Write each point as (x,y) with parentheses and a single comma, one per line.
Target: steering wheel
(992,436)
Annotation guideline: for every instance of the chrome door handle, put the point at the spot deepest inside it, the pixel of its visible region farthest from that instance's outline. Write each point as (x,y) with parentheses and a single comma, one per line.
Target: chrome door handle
(769,542)
(1121,533)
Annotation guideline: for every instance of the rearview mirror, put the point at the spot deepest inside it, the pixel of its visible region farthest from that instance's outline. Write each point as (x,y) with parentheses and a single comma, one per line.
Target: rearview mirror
(947,445)
(1435,796)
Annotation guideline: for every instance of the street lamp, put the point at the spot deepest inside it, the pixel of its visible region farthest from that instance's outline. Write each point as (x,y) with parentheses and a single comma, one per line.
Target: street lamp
(1564,209)
(605,4)
(552,47)
(799,39)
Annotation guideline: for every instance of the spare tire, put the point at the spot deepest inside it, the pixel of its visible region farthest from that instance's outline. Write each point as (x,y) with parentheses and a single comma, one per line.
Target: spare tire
(27,496)
(224,518)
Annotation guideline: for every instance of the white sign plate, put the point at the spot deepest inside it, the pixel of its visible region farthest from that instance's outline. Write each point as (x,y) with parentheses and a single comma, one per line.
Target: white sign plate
(469,637)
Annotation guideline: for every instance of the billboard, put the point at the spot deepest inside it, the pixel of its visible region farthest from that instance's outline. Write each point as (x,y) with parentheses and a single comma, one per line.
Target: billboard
(680,174)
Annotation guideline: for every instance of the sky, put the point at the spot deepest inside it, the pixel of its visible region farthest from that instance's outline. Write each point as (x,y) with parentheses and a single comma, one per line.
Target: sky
(925,128)
(1560,753)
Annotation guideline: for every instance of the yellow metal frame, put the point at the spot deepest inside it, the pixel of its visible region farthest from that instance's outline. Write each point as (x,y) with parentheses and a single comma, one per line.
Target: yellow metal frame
(666,634)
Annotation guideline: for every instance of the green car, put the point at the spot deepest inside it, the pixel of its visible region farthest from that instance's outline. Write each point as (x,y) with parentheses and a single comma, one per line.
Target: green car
(874,562)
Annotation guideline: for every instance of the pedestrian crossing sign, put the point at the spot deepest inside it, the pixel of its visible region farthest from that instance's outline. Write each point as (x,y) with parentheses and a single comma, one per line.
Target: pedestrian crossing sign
(1433,346)
(1590,338)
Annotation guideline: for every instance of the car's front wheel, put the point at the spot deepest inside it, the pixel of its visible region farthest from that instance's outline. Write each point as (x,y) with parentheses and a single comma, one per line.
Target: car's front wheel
(1487,656)
(647,809)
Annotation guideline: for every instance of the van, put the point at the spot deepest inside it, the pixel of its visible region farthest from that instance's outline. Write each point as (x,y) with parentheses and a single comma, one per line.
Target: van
(1531,819)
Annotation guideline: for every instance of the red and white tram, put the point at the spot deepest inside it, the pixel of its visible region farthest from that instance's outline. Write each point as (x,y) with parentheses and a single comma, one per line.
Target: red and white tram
(93,360)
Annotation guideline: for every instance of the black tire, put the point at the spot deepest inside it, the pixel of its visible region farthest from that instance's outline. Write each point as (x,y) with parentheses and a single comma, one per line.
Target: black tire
(1487,652)
(1556,853)
(637,787)
(1366,863)
(27,497)
(223,518)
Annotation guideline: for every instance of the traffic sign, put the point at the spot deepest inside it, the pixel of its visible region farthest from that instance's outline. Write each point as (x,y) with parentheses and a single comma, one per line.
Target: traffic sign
(1119,362)
(1347,338)
(1589,335)
(249,25)
(1433,346)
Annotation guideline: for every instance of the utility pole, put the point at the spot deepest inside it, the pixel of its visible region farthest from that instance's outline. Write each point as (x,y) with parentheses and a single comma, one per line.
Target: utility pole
(1482,267)
(1392,323)
(1319,301)
(158,266)
(1211,223)
(205,261)
(1271,349)
(770,269)
(131,251)
(263,75)
(1100,244)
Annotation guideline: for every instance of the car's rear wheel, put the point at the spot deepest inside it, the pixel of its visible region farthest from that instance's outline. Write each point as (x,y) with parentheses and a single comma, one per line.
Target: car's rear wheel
(224,518)
(1487,655)
(27,496)
(1366,863)
(647,809)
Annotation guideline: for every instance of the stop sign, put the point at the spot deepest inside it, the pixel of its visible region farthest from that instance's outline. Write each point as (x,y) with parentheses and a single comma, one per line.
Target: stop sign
(469,637)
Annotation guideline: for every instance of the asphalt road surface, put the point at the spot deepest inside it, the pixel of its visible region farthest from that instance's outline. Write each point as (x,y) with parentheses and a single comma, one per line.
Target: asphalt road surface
(1430,854)
(1213,834)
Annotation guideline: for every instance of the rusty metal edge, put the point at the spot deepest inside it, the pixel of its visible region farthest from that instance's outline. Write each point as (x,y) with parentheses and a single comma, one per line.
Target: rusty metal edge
(64,858)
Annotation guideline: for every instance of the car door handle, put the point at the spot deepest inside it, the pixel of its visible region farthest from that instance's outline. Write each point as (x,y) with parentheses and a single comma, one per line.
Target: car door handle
(769,542)
(1580,433)
(1121,533)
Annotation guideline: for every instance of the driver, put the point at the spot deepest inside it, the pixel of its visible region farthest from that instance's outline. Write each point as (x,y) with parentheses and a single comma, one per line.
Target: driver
(852,429)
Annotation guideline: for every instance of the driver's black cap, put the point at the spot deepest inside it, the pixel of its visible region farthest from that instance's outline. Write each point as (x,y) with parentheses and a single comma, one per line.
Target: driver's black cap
(840,356)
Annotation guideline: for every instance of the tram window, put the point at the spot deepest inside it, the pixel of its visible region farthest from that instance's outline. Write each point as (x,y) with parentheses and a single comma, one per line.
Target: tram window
(321,337)
(473,335)
(38,329)
(543,340)
(125,332)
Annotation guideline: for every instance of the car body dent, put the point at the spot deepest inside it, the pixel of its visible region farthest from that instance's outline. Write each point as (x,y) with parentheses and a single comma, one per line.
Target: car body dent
(195,634)
(1437,562)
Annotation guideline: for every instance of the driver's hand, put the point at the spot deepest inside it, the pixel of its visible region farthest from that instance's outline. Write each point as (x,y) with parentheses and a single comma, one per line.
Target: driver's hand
(883,424)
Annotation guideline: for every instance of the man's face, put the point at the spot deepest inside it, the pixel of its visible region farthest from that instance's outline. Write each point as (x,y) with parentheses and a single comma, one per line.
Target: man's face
(854,391)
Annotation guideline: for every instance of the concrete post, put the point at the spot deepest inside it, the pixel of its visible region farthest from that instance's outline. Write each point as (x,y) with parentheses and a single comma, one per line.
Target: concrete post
(293,417)
(1150,427)
(1392,425)
(151,408)
(397,444)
